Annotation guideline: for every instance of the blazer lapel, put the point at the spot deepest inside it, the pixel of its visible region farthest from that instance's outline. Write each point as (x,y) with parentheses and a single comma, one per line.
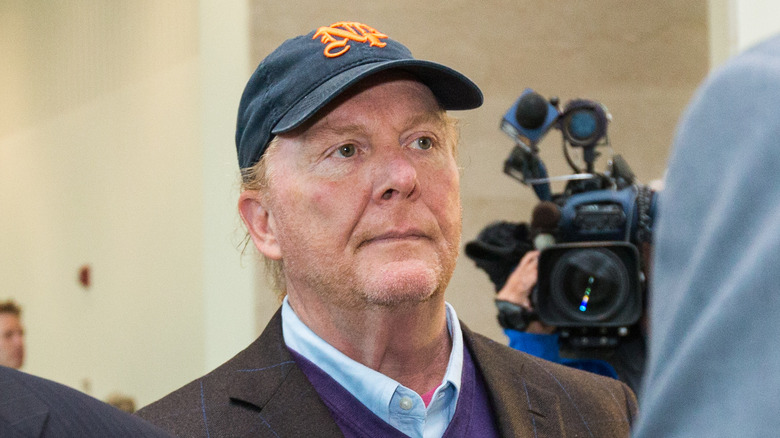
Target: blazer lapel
(268,379)
(521,408)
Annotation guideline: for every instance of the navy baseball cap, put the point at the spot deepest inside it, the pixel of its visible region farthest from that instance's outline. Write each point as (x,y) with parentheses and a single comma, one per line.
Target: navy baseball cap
(304,73)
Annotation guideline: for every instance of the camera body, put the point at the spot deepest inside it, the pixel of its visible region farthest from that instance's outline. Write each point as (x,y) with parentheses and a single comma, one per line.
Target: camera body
(590,280)
(591,285)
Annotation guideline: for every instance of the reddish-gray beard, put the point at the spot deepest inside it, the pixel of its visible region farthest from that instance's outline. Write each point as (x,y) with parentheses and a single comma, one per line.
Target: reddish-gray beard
(343,286)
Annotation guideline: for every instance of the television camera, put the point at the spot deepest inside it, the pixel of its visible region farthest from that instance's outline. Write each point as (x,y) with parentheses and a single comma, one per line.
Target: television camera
(590,279)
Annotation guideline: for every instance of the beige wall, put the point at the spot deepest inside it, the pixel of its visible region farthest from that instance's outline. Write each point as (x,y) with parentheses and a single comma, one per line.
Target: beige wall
(116,123)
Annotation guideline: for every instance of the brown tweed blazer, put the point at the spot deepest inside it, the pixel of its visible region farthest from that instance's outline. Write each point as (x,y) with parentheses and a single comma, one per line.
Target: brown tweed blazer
(262,393)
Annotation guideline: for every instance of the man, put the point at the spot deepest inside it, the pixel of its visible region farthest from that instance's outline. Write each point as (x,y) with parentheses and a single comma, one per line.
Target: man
(351,192)
(34,407)
(11,335)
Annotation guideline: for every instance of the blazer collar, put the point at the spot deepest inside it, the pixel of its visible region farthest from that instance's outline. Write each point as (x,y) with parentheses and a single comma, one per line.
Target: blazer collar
(521,408)
(265,375)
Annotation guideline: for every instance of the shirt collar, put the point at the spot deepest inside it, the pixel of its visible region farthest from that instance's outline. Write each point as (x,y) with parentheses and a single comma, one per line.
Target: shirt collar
(373,389)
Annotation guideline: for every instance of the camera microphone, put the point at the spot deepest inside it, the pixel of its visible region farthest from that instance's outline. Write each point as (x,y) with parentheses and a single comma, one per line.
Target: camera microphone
(529,118)
(531,111)
(622,172)
(544,222)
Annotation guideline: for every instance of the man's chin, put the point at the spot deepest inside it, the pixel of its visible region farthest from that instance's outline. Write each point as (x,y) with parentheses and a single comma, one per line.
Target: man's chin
(404,283)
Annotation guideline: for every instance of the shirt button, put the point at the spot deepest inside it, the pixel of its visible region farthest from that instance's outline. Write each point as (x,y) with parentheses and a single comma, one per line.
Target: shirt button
(405,403)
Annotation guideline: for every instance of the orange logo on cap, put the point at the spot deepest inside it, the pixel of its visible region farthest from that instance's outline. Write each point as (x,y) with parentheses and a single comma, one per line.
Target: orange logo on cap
(337,36)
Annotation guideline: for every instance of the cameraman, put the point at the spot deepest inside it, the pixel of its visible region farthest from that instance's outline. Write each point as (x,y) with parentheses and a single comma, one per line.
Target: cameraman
(526,333)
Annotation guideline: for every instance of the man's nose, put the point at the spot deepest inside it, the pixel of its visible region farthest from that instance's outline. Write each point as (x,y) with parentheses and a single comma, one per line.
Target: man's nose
(396,177)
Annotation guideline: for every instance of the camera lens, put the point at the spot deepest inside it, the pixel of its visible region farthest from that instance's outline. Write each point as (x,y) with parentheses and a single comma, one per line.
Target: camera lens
(589,285)
(584,122)
(582,125)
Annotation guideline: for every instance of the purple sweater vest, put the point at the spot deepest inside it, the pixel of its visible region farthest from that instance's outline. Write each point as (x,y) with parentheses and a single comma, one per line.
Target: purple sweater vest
(473,413)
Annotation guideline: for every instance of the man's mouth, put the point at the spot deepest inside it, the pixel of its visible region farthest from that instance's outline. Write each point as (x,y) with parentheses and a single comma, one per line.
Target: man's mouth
(396,236)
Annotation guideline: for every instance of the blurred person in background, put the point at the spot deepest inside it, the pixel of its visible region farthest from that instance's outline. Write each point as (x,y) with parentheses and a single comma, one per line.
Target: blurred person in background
(11,335)
(121,401)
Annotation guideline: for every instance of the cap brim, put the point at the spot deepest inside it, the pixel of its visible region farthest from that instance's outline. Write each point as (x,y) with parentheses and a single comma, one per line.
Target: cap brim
(453,90)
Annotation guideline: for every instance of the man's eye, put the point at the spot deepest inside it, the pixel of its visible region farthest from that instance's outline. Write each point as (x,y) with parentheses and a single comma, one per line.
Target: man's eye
(423,143)
(347,150)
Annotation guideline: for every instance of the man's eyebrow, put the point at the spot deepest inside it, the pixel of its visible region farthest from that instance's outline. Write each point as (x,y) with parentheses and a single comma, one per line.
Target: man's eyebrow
(346,128)
(427,117)
(329,130)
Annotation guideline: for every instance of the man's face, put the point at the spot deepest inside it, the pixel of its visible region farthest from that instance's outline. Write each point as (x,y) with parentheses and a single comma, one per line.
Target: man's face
(364,201)
(11,341)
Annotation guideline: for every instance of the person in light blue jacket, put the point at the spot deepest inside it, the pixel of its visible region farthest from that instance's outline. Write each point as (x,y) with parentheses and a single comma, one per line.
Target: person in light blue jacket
(714,359)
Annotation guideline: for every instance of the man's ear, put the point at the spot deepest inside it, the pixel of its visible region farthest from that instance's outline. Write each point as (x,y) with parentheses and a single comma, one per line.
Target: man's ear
(259,220)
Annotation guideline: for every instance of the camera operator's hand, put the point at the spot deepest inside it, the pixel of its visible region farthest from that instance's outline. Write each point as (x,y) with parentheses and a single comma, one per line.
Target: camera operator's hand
(519,286)
(520,283)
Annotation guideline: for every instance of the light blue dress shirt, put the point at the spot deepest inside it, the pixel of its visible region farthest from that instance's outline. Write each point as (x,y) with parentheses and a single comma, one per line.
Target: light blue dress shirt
(397,405)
